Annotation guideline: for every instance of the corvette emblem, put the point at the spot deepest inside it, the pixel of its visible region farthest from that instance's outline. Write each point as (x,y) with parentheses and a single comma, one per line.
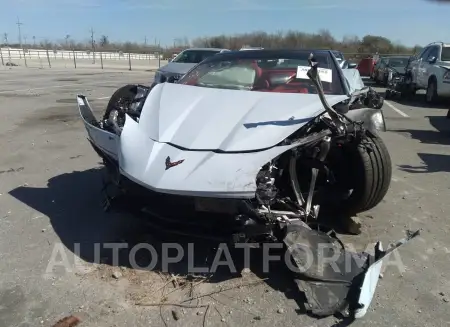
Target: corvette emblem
(170,164)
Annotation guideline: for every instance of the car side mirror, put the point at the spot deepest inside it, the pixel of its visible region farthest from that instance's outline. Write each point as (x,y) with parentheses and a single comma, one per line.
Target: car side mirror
(432,59)
(352,65)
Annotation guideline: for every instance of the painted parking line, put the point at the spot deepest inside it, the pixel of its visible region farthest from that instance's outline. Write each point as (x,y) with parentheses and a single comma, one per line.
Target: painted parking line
(390,105)
(102,98)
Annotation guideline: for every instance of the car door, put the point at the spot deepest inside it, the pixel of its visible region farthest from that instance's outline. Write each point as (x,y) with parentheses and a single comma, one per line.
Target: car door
(427,65)
(421,67)
(415,65)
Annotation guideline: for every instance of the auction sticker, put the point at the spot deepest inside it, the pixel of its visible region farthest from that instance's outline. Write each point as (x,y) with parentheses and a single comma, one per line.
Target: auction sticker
(325,74)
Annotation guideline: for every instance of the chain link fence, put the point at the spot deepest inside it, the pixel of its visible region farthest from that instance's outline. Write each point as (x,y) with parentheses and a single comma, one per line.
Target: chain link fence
(50,58)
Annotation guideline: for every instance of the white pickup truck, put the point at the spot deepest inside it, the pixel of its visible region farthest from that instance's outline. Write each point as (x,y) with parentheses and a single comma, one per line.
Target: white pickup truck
(431,71)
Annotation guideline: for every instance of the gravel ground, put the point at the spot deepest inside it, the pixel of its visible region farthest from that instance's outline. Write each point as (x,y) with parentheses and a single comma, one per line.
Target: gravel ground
(50,200)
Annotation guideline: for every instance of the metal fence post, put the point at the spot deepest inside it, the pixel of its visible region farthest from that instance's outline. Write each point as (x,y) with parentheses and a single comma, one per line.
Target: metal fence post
(1,55)
(159,59)
(129,59)
(24,57)
(48,59)
(101,59)
(74,60)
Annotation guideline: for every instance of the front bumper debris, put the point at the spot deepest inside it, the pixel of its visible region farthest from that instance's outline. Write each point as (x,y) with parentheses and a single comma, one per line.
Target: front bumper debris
(334,280)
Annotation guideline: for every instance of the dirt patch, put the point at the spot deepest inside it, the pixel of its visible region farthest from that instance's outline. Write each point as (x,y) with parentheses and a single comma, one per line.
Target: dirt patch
(67,80)
(11,170)
(66,114)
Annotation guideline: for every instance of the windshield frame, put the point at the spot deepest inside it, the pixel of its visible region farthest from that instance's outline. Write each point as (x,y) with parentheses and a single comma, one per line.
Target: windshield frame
(182,53)
(270,54)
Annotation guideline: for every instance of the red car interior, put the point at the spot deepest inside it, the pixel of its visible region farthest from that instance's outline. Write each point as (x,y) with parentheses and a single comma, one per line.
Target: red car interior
(276,79)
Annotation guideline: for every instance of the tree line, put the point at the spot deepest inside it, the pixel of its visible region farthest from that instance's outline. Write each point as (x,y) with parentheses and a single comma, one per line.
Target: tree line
(369,44)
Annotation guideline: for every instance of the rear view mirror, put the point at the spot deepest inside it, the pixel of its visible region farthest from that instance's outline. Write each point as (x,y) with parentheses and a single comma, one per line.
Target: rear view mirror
(352,65)
(432,59)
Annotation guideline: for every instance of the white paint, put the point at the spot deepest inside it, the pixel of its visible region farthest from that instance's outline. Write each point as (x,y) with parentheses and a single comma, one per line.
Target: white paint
(103,98)
(396,109)
(325,74)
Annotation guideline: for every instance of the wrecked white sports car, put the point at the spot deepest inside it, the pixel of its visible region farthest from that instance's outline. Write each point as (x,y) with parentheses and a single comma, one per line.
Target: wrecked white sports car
(262,139)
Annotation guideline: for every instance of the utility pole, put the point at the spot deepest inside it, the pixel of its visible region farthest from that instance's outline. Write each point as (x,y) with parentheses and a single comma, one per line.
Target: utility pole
(34,41)
(20,33)
(93,44)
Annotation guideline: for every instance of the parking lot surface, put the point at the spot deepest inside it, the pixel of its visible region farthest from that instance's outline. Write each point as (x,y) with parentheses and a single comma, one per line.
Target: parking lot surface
(50,201)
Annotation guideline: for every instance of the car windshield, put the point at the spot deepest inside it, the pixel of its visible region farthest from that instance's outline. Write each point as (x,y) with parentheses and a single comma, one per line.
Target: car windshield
(445,55)
(194,56)
(398,62)
(265,72)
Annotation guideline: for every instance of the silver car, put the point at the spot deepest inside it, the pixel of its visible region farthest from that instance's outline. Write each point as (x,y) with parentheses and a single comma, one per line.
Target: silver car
(183,62)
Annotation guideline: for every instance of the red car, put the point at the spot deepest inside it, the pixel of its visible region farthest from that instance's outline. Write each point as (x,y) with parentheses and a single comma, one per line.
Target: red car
(365,66)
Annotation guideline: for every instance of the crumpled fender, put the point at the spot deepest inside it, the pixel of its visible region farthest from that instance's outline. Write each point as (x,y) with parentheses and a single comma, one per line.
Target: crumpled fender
(373,119)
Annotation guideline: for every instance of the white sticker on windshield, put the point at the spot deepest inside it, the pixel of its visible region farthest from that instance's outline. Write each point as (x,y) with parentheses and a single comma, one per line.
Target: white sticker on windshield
(80,101)
(325,74)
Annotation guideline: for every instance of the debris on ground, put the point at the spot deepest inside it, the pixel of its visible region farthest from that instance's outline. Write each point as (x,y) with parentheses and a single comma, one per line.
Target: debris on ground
(70,321)
(117,274)
(280,310)
(175,315)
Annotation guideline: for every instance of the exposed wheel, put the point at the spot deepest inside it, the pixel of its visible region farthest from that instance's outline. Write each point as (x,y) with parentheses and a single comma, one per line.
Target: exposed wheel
(359,178)
(369,174)
(431,95)
(121,99)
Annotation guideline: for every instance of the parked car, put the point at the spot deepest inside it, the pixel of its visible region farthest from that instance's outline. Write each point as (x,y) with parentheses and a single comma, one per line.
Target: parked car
(385,68)
(376,66)
(183,62)
(366,66)
(430,71)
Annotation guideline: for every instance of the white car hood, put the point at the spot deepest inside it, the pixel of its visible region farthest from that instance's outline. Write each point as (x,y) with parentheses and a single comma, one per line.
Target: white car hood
(199,118)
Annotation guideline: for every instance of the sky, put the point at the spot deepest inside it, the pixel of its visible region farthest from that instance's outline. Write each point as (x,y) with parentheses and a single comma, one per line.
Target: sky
(408,22)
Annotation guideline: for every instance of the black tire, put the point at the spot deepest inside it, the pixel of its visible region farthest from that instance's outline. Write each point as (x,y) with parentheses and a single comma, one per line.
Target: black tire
(121,97)
(370,173)
(431,95)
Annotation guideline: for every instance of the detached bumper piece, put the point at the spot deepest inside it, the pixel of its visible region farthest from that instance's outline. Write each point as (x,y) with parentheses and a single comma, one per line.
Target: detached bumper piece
(333,280)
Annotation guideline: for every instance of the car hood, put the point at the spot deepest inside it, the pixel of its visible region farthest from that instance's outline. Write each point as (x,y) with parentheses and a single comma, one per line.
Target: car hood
(199,118)
(176,68)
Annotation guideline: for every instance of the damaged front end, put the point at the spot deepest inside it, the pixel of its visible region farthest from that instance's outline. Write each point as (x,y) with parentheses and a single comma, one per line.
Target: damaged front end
(281,206)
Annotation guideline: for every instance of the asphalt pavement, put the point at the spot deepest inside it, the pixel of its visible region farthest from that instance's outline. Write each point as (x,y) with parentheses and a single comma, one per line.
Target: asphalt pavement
(50,211)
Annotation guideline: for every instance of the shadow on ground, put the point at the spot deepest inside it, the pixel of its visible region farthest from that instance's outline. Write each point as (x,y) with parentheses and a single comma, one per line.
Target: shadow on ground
(72,201)
(433,163)
(440,136)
